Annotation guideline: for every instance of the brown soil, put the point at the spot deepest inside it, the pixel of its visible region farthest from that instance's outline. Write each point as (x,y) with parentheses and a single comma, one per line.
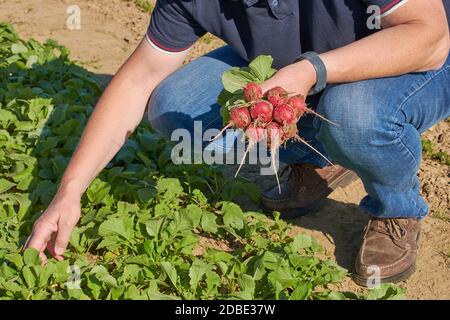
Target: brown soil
(111,29)
(435,176)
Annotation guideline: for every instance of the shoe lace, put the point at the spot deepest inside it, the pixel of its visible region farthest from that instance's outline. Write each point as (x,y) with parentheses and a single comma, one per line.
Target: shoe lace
(390,227)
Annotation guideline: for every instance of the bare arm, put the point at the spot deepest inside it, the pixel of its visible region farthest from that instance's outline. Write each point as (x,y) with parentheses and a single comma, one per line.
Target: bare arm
(414,38)
(116,116)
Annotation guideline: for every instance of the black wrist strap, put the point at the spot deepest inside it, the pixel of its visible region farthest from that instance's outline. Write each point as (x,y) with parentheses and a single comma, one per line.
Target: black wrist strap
(321,70)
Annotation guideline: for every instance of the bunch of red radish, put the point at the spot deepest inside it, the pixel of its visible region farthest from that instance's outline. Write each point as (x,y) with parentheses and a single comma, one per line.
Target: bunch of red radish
(271,116)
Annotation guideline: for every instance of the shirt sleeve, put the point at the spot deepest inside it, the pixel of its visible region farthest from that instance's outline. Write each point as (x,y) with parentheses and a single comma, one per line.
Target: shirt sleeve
(172,27)
(386,6)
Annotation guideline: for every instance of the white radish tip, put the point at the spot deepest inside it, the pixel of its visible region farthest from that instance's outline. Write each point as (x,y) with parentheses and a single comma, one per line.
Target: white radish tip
(275,170)
(243,159)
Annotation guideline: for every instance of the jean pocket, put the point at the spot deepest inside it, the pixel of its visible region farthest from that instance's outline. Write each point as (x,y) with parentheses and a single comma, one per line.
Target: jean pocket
(280,9)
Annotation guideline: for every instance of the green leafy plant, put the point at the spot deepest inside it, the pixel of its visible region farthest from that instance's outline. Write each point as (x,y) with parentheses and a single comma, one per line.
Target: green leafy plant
(144,5)
(428,149)
(258,71)
(149,229)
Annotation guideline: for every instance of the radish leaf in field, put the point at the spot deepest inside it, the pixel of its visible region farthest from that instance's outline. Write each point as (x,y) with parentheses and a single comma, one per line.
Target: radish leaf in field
(5,185)
(31,257)
(232,215)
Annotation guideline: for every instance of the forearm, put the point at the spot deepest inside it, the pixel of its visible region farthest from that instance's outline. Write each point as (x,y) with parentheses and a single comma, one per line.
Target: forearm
(117,114)
(394,51)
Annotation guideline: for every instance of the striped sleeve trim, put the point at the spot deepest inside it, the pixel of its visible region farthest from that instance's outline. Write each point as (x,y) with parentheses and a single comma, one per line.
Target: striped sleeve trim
(391,7)
(162,48)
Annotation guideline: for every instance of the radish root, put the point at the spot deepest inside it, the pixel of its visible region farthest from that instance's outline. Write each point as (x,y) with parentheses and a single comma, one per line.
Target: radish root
(321,117)
(228,126)
(273,151)
(243,160)
(314,149)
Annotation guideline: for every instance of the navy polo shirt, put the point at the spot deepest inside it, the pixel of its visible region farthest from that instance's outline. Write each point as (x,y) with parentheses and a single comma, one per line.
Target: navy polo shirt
(281,28)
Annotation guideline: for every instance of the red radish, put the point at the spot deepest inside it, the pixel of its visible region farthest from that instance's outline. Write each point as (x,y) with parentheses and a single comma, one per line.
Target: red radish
(261,111)
(300,108)
(274,135)
(252,92)
(284,114)
(290,132)
(240,117)
(254,134)
(298,104)
(276,96)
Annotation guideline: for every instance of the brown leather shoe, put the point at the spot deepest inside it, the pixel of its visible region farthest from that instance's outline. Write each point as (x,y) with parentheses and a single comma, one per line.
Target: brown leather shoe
(305,190)
(388,251)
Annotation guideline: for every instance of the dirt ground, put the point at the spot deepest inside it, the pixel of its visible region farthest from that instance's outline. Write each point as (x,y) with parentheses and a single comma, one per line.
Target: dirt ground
(111,29)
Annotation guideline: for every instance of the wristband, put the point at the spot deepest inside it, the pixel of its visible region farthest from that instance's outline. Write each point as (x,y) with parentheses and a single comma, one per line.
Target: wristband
(321,70)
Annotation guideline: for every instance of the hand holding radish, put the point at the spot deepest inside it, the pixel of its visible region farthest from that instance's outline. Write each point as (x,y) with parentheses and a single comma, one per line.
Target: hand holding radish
(268,111)
(297,78)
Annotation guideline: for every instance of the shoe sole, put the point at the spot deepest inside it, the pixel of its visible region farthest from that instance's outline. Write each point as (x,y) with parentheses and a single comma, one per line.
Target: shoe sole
(343,181)
(363,282)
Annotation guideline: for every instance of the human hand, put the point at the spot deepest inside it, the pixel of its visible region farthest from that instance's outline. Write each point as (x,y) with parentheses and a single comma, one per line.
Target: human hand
(297,78)
(54,227)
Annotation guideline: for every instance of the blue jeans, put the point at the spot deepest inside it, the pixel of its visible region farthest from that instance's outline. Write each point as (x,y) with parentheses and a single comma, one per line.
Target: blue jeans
(378,137)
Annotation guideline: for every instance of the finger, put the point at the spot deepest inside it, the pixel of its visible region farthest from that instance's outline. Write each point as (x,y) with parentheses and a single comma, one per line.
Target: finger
(42,251)
(39,239)
(59,258)
(63,237)
(32,234)
(267,85)
(43,258)
(51,245)
(27,242)
(41,234)
(51,248)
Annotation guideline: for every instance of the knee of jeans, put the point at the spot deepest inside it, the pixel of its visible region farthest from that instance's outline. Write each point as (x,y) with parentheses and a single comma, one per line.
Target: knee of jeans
(165,109)
(360,121)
